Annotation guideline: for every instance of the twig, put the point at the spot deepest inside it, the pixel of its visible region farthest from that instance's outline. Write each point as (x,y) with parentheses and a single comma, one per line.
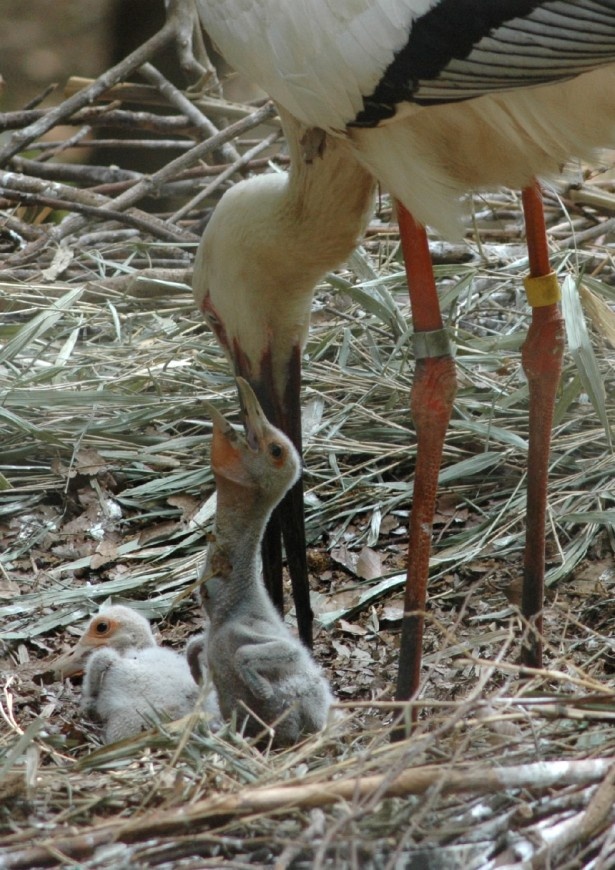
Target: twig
(21,228)
(241,162)
(22,138)
(106,116)
(132,92)
(188,27)
(603,228)
(583,827)
(151,185)
(250,802)
(184,161)
(183,104)
(22,188)
(77,172)
(600,199)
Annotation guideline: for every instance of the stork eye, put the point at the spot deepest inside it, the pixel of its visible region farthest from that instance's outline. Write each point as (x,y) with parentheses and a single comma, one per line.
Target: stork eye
(276,450)
(101,627)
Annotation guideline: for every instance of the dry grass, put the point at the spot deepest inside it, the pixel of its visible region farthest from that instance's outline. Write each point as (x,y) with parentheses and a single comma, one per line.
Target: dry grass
(105,492)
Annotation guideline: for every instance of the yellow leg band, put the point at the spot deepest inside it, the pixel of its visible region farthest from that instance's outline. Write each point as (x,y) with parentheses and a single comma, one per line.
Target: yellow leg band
(543,290)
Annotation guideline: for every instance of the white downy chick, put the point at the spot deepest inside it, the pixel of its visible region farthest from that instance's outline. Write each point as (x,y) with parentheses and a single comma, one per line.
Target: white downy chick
(128,679)
(116,626)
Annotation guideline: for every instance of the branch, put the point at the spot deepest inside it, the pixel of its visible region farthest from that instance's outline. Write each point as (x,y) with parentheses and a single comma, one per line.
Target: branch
(150,185)
(183,104)
(582,827)
(22,138)
(243,160)
(108,116)
(132,92)
(254,801)
(23,189)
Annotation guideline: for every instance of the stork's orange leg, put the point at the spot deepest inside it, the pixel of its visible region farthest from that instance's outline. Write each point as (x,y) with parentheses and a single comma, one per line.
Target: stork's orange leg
(542,362)
(431,403)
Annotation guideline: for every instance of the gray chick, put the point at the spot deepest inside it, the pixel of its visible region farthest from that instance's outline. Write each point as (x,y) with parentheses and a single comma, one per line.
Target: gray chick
(261,671)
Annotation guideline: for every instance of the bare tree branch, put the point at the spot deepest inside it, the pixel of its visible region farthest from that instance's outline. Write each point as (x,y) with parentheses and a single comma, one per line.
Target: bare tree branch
(220,808)
(22,138)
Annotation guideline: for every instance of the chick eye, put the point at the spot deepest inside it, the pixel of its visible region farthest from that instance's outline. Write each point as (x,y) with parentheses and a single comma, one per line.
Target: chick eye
(102,627)
(276,450)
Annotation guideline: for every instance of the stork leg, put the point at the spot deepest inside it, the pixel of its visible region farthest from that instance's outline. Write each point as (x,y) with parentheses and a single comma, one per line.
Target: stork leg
(542,362)
(432,398)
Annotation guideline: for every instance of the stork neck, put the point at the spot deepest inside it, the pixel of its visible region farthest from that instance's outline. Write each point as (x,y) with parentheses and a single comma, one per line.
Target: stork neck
(328,199)
(270,240)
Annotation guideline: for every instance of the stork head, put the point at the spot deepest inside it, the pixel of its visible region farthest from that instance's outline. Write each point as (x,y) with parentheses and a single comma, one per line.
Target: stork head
(269,241)
(253,279)
(255,471)
(114,626)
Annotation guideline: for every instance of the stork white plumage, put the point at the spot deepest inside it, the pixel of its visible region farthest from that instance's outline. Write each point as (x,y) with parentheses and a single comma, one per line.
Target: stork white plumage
(431,98)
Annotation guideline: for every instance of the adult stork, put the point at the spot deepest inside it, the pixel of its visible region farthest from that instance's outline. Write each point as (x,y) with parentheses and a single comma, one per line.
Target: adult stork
(430,98)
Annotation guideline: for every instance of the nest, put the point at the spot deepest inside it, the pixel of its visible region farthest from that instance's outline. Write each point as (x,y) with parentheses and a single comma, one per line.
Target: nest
(105,492)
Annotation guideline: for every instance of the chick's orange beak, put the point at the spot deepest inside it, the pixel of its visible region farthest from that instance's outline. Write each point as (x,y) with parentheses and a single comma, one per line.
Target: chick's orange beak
(226,455)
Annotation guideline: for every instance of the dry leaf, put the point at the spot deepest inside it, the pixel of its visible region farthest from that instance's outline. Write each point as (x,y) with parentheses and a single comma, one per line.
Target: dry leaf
(159,532)
(369,564)
(392,613)
(61,261)
(187,505)
(345,557)
(106,552)
(341,649)
(351,628)
(90,462)
(601,316)
(345,599)
(8,589)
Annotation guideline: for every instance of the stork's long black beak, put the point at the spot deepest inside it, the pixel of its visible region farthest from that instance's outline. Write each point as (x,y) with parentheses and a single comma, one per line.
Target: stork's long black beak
(287,521)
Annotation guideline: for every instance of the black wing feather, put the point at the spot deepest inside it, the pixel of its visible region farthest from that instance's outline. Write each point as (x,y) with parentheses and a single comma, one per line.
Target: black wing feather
(462,49)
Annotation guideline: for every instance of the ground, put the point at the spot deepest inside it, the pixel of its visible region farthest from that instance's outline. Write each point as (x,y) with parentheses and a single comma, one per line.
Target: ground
(106,493)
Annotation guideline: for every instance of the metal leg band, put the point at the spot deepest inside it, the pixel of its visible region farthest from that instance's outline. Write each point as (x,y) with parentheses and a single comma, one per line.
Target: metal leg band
(431,344)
